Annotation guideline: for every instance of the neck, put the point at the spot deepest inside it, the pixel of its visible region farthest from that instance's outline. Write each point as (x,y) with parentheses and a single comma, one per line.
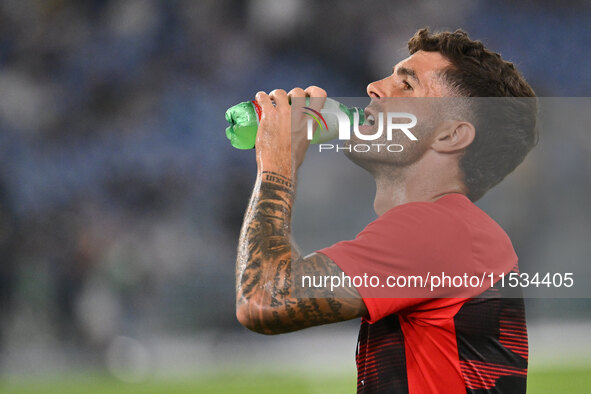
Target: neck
(415,183)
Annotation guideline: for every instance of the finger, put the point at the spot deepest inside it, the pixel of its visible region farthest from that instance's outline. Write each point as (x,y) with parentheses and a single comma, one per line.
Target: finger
(317,97)
(315,91)
(280,98)
(264,101)
(296,96)
(297,92)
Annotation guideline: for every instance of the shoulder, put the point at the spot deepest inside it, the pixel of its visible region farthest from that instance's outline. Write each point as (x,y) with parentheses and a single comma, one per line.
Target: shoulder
(451,228)
(431,220)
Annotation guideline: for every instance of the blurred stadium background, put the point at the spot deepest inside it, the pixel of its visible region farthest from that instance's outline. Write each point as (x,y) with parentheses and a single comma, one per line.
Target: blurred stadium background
(121,199)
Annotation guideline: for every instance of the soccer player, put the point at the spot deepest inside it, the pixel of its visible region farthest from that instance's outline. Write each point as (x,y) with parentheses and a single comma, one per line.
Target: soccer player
(427,222)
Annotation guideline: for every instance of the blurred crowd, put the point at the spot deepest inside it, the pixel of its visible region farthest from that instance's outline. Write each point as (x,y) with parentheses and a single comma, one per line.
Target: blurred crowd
(121,200)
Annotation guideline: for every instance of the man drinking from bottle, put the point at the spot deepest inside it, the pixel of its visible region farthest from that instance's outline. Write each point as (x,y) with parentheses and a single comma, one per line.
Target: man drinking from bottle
(427,340)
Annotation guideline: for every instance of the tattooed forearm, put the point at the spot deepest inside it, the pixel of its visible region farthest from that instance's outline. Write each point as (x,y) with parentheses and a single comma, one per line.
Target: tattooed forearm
(267,263)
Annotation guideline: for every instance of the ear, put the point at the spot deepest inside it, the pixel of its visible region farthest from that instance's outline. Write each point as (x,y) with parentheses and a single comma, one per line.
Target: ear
(454,136)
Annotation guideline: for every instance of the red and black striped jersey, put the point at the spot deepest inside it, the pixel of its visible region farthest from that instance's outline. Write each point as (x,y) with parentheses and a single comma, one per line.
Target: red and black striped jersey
(474,341)
(486,353)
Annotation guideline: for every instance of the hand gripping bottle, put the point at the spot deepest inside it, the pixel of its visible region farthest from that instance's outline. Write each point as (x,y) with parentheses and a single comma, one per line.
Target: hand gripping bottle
(244,122)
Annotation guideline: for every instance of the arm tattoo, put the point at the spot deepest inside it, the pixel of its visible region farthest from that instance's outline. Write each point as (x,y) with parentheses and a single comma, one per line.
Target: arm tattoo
(267,263)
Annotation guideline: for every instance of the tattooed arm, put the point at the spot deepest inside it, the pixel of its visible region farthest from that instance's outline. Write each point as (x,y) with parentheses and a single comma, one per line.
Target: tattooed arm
(268,261)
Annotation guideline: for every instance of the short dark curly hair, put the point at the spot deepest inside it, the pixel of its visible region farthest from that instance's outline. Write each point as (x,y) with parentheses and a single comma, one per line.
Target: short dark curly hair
(506,129)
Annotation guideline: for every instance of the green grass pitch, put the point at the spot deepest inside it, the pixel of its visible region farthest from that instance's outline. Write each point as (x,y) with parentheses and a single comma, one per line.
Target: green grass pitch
(573,381)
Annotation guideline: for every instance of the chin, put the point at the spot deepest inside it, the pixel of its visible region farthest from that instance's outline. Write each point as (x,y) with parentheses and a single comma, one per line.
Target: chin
(373,161)
(367,160)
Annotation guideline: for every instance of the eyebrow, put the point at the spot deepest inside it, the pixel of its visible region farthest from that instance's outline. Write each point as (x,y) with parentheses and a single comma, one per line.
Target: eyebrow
(408,72)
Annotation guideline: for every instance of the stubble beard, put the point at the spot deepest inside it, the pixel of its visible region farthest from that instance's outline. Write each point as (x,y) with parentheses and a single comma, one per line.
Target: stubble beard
(384,161)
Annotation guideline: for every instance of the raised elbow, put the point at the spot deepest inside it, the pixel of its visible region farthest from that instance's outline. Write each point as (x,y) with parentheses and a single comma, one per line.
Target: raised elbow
(252,316)
(244,317)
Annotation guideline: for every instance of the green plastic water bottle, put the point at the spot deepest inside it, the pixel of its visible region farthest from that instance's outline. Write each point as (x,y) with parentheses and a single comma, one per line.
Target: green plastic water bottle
(244,121)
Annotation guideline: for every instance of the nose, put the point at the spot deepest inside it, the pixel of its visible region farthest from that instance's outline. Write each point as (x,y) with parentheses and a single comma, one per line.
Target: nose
(378,89)
(373,90)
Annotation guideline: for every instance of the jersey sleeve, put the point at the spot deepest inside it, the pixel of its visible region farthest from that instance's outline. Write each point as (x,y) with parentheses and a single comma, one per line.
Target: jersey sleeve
(404,247)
